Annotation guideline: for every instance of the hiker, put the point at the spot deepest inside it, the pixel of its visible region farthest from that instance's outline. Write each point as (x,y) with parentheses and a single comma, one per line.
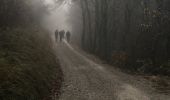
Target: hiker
(61,33)
(68,36)
(56,35)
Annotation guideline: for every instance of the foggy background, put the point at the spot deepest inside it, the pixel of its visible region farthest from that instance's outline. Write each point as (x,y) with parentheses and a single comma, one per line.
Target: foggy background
(130,35)
(63,15)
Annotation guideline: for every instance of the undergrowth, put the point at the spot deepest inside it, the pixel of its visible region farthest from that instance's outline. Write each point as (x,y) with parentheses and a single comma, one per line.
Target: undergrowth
(28,65)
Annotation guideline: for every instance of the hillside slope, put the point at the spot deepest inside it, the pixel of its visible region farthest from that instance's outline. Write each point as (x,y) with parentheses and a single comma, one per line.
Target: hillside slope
(28,65)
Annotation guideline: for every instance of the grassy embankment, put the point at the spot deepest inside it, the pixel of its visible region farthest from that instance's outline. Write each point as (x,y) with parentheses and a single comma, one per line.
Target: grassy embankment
(28,66)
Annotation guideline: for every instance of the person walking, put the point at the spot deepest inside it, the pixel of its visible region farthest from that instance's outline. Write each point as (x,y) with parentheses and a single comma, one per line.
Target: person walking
(68,36)
(56,35)
(61,33)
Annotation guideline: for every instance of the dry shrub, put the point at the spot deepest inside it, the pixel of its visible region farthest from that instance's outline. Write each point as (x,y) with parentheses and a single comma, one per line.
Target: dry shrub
(119,58)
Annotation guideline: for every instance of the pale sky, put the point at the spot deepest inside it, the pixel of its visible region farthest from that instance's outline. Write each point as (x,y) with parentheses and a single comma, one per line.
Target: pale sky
(58,18)
(49,1)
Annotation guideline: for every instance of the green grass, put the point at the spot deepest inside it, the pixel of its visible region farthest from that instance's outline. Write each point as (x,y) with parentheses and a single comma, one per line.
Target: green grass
(28,65)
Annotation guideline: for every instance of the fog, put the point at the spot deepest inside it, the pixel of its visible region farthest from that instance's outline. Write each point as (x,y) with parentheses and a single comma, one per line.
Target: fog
(58,16)
(115,49)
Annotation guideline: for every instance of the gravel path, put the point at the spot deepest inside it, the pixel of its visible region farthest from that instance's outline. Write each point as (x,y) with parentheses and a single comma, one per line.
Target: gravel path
(85,79)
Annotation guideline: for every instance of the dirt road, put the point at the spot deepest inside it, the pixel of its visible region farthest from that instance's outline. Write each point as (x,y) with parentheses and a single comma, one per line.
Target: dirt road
(85,79)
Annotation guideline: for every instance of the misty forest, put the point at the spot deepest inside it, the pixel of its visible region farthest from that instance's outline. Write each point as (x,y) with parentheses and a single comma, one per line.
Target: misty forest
(84,50)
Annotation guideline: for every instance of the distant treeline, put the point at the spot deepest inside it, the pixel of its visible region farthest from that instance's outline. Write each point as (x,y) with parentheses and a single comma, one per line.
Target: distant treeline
(21,12)
(134,34)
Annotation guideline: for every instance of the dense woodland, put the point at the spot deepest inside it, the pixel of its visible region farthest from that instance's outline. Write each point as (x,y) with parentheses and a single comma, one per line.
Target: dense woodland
(132,34)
